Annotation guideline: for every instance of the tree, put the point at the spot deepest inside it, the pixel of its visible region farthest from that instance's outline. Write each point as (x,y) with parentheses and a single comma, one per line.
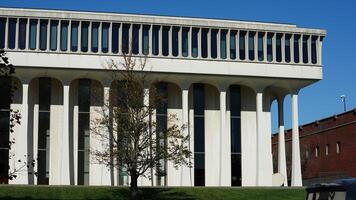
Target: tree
(7,70)
(133,138)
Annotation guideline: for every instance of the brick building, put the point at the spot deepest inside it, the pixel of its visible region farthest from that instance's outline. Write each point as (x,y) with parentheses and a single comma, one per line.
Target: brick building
(327,147)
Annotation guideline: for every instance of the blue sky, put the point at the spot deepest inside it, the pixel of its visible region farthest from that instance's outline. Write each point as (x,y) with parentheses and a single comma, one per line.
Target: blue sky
(319,100)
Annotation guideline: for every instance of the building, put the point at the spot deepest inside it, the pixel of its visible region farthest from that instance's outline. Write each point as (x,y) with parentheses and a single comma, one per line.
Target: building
(221,77)
(328,148)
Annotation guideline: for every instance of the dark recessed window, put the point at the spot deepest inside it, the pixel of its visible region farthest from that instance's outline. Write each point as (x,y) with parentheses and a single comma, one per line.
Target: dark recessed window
(235,123)
(279,47)
(165,40)
(135,38)
(251,45)
(242,52)
(84,35)
(223,44)
(199,130)
(84,96)
(74,36)
(64,35)
(195,32)
(43,130)
(296,48)
(12,33)
(175,40)
(95,37)
(2,32)
(155,40)
(105,37)
(287,45)
(185,32)
(305,48)
(213,43)
(145,39)
(22,34)
(260,47)
(115,38)
(233,44)
(314,50)
(43,34)
(204,43)
(53,35)
(269,47)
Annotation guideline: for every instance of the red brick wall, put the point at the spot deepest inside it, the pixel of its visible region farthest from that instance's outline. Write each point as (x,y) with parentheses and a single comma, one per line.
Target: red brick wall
(340,128)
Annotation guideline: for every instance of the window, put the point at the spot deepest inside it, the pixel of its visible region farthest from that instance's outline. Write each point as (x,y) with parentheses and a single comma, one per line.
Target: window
(43,131)
(105,37)
(199,129)
(251,46)
(279,47)
(155,40)
(195,32)
(317,151)
(305,48)
(74,37)
(260,47)
(5,88)
(12,33)
(95,37)
(84,95)
(223,44)
(2,32)
(233,44)
(185,32)
(22,33)
(327,149)
(314,50)
(33,34)
(213,43)
(165,42)
(296,48)
(135,38)
(287,48)
(307,154)
(175,40)
(64,35)
(242,41)
(204,43)
(43,34)
(235,123)
(53,35)
(145,39)
(84,35)
(161,127)
(269,47)
(115,38)
(338,147)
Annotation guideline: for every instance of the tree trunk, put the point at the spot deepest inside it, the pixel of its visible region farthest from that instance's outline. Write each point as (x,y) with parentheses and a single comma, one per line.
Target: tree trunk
(133,187)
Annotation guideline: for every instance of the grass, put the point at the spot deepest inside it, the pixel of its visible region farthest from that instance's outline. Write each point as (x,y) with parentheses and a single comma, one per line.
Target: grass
(156,193)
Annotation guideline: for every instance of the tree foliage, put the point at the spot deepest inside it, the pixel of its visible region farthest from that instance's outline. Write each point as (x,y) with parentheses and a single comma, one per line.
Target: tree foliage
(133,142)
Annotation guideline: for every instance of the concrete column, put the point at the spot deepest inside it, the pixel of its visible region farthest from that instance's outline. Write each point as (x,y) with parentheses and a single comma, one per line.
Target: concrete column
(319,49)
(274,51)
(225,148)
(199,42)
(160,41)
(120,38)
(238,45)
(265,47)
(296,166)
(282,164)
(130,38)
(139,39)
(185,120)
(228,33)
(65,167)
(7,32)
(89,37)
(80,36)
(109,38)
(292,49)
(17,33)
(59,30)
(309,49)
(189,53)
(208,44)
(37,35)
(180,41)
(246,45)
(100,27)
(218,41)
(283,47)
(255,39)
(300,41)
(69,38)
(259,138)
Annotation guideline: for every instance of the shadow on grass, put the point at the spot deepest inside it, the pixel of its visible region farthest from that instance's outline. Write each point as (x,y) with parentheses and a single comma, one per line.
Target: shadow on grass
(155,194)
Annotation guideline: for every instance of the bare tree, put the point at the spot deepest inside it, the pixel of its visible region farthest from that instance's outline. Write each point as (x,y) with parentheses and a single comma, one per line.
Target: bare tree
(133,142)
(7,71)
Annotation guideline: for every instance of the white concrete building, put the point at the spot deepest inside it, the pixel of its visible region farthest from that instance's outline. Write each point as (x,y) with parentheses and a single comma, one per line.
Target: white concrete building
(220,77)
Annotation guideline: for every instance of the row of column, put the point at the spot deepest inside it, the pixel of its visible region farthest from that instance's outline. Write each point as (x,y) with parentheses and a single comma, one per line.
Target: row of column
(296,177)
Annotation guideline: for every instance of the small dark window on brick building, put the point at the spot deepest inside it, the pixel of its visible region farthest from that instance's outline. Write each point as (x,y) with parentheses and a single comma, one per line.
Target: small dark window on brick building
(338,147)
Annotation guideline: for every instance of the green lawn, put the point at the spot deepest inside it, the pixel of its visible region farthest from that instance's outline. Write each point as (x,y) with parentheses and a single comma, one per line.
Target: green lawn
(156,193)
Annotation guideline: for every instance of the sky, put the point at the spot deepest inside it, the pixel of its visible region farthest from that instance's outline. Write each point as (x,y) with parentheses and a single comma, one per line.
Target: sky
(338,18)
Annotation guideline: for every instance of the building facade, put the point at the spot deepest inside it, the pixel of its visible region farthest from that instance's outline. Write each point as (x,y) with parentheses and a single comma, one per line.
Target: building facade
(327,148)
(220,77)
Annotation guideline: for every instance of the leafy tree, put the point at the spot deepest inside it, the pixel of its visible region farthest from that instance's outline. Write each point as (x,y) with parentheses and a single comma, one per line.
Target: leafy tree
(133,139)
